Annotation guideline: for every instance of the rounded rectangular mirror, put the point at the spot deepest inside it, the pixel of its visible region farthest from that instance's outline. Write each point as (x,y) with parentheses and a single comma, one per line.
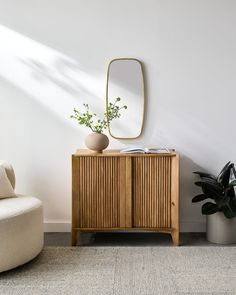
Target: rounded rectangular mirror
(125,80)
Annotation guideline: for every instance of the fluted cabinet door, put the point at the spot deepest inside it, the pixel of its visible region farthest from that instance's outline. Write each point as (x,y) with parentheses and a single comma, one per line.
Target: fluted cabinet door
(151,192)
(113,191)
(102,192)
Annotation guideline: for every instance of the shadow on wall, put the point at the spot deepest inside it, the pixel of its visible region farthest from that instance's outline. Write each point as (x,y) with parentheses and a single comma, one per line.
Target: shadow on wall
(53,79)
(188,132)
(187,191)
(63,72)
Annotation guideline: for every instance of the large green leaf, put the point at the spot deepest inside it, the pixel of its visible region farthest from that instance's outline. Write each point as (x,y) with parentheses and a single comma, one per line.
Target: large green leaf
(198,183)
(228,212)
(224,168)
(213,186)
(209,208)
(231,184)
(224,175)
(212,181)
(203,174)
(199,198)
(211,193)
(231,193)
(234,171)
(232,204)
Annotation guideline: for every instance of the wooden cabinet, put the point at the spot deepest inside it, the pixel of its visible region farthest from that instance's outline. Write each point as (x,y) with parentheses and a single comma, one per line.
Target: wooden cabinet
(112,191)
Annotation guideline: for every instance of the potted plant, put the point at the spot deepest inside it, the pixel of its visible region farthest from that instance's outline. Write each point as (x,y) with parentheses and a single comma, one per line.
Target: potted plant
(97,141)
(221,209)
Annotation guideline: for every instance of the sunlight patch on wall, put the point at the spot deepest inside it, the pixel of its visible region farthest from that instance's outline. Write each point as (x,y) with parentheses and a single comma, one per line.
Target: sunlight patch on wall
(48,76)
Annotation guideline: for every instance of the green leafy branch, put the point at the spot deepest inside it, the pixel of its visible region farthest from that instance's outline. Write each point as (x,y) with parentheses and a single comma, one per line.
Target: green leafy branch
(91,121)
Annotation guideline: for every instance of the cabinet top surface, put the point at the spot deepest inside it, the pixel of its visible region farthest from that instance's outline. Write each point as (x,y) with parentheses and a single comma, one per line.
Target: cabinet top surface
(116,153)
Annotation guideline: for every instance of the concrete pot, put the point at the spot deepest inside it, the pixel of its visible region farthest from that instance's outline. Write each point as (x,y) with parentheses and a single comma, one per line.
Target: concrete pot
(221,230)
(97,142)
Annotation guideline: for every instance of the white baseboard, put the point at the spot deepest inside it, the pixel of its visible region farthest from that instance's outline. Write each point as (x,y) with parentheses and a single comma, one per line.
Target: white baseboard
(185,226)
(192,226)
(57,226)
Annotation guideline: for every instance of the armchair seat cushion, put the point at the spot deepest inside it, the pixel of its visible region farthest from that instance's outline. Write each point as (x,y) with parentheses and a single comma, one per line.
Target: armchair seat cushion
(21,230)
(20,204)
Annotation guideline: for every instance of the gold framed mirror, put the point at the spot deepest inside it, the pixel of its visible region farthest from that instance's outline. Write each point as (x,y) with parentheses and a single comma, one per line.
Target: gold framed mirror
(125,79)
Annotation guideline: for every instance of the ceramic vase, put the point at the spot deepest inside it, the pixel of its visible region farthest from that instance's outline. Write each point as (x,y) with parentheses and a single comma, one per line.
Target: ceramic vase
(97,142)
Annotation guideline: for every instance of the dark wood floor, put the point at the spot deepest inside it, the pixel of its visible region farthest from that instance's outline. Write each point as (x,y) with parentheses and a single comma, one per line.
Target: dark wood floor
(127,239)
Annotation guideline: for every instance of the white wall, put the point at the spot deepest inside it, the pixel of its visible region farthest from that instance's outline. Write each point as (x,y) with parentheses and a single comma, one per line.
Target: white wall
(54,54)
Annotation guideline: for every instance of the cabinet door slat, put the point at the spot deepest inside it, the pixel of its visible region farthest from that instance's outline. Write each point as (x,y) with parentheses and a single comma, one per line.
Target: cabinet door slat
(151,191)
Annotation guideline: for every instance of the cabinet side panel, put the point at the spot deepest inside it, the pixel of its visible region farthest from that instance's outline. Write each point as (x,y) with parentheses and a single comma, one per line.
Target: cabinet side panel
(175,199)
(98,192)
(75,189)
(151,192)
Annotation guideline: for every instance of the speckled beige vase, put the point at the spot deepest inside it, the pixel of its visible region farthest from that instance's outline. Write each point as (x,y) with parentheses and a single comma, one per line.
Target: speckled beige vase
(221,230)
(97,142)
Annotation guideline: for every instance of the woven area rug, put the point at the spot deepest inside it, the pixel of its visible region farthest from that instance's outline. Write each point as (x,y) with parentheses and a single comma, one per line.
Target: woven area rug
(125,270)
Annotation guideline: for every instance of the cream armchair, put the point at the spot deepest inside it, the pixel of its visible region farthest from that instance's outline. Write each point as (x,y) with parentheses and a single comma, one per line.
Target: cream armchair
(21,227)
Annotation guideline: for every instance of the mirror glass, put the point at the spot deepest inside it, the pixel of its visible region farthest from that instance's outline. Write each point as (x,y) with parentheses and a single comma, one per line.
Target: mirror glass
(125,80)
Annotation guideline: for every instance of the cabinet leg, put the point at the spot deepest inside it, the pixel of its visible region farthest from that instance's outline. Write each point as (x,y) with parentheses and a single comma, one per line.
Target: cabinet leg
(75,236)
(175,237)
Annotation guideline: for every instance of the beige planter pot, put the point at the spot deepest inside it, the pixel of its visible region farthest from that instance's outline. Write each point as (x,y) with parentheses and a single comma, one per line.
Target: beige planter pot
(221,230)
(97,142)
